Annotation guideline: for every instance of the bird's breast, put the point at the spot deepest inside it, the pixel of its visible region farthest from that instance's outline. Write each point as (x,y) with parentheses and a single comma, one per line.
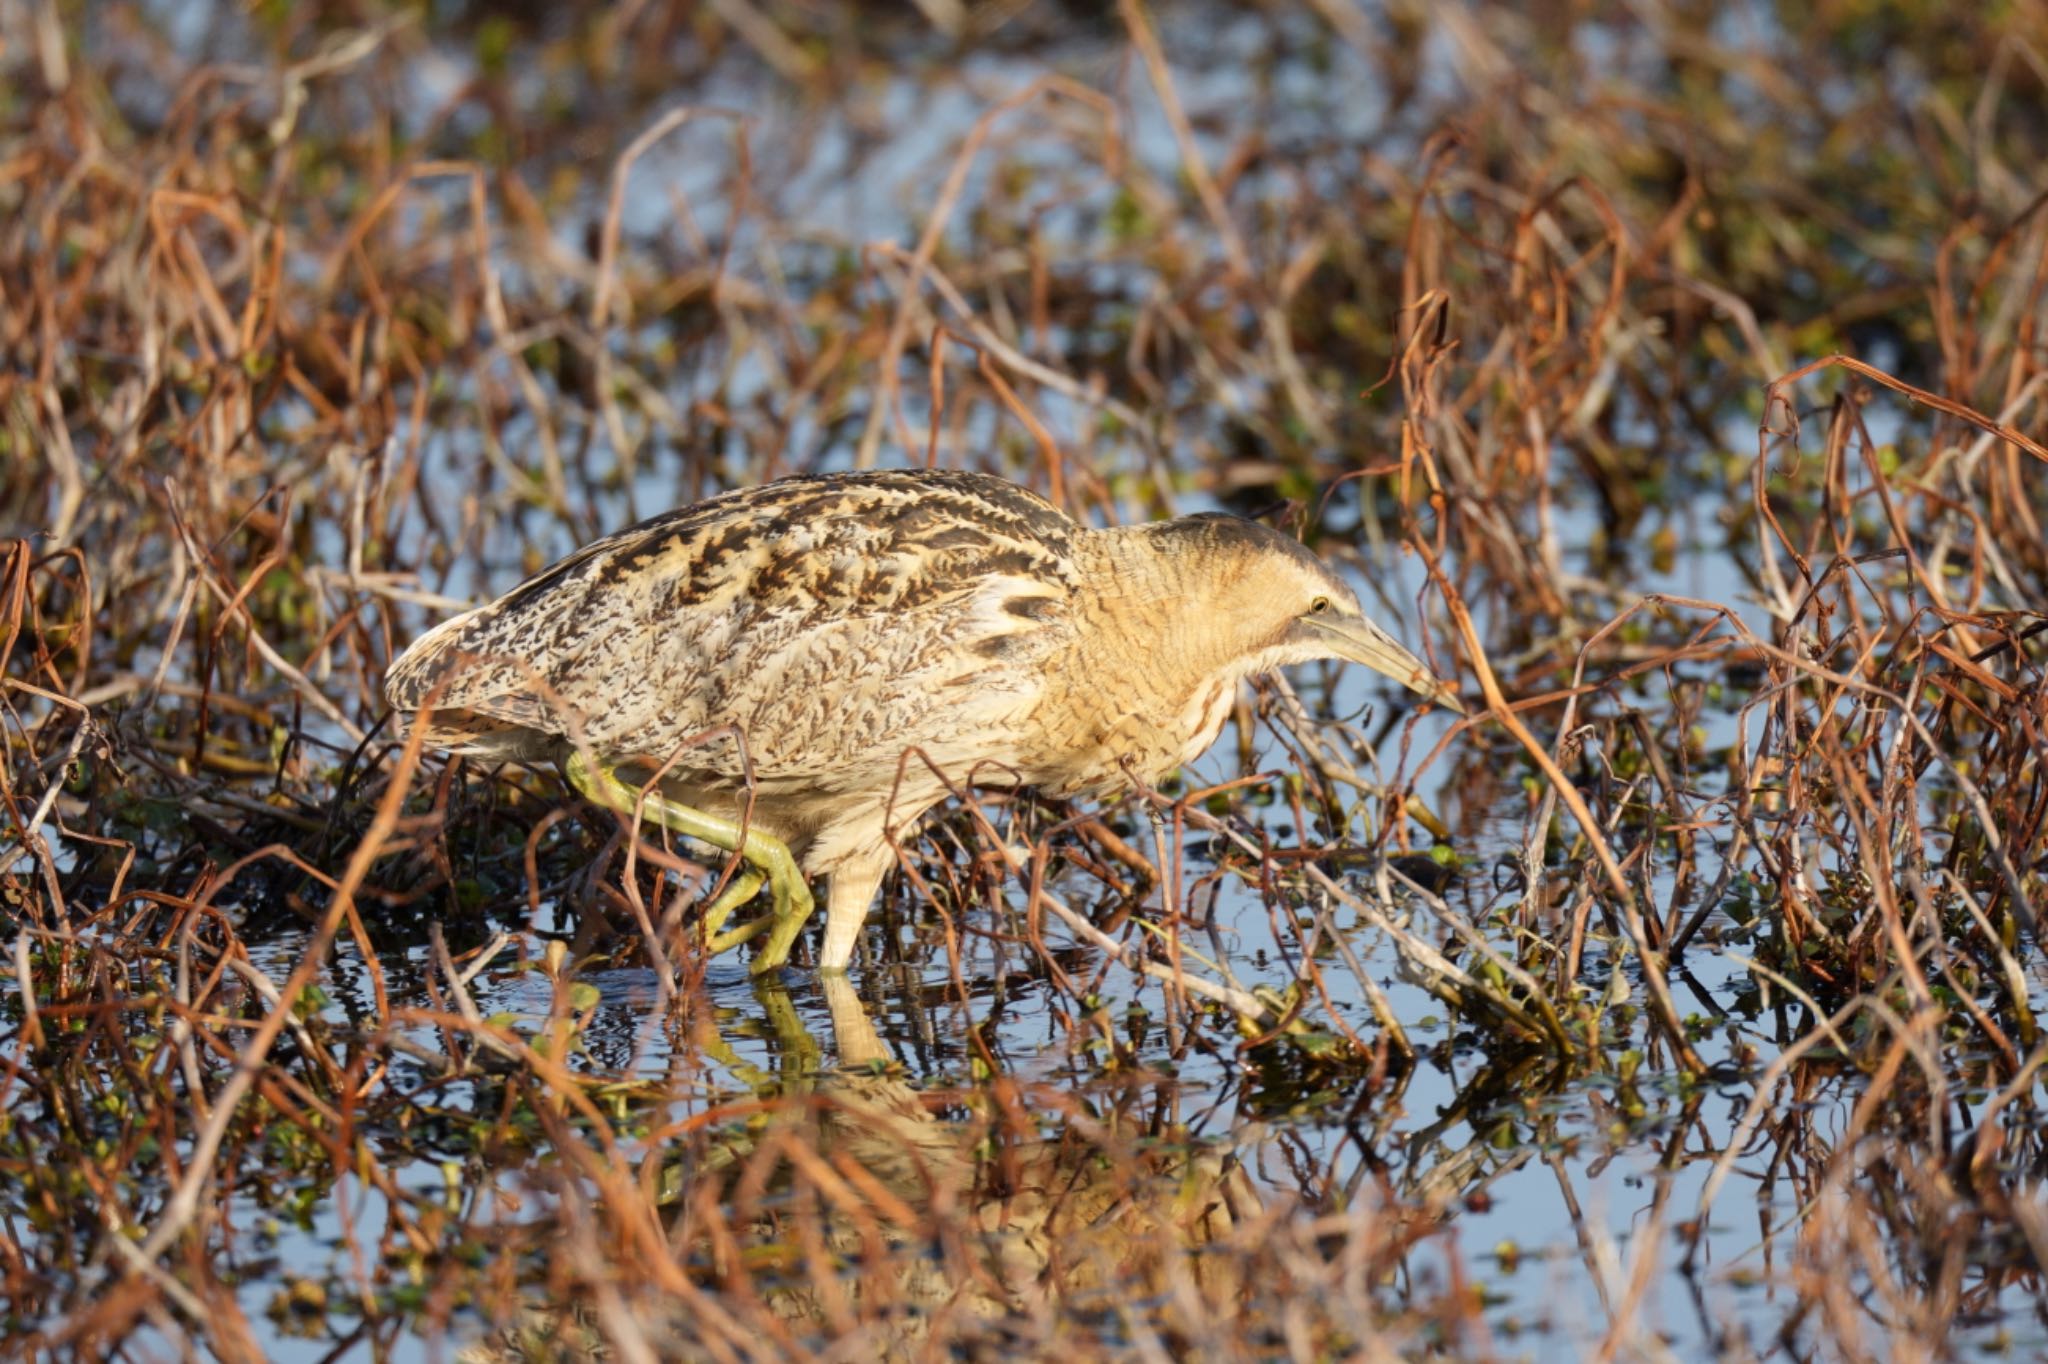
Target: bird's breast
(1202,719)
(1115,737)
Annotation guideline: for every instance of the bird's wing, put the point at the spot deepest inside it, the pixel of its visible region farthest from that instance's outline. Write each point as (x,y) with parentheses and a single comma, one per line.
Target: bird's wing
(807,599)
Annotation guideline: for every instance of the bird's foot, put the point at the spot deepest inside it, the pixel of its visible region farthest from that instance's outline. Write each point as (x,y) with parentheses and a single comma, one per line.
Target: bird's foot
(746,882)
(768,860)
(791,907)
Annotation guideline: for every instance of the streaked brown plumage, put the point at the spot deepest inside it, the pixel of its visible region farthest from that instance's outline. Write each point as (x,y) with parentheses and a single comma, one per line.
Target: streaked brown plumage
(859,630)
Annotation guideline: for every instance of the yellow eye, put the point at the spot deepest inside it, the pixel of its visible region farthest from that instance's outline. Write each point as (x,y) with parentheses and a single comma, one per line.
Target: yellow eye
(1318,606)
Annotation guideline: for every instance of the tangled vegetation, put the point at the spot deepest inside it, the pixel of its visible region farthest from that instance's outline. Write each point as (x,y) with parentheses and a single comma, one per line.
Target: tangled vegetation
(1673,371)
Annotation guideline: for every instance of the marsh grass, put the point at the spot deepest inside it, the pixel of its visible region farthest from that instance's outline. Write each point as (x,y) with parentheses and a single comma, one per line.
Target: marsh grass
(1677,381)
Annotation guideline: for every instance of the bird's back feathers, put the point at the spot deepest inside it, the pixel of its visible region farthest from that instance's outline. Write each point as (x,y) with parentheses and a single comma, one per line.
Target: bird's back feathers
(757,609)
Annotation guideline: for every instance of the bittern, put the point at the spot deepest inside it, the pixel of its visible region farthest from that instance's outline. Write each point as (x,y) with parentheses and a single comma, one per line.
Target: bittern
(810,665)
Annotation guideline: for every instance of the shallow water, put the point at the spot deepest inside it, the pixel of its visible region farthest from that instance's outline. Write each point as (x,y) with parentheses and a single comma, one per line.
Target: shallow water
(1564,1195)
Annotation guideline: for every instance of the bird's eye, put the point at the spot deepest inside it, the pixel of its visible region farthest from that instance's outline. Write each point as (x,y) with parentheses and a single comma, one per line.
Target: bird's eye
(1318,606)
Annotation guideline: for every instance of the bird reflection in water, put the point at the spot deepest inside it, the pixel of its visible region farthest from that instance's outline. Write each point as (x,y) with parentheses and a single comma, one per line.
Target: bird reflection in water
(923,1205)
(1089,1210)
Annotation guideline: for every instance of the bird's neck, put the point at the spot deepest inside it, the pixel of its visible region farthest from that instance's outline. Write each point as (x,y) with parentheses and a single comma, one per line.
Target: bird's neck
(1157,609)
(1156,662)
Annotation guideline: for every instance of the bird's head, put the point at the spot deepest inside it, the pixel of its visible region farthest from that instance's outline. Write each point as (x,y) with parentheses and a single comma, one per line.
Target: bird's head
(1278,604)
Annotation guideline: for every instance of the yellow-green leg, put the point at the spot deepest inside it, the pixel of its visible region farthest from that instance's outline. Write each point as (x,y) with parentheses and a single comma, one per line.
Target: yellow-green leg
(745,884)
(768,860)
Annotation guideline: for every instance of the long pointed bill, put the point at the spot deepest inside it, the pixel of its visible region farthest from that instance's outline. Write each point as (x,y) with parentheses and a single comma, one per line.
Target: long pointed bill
(1360,641)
